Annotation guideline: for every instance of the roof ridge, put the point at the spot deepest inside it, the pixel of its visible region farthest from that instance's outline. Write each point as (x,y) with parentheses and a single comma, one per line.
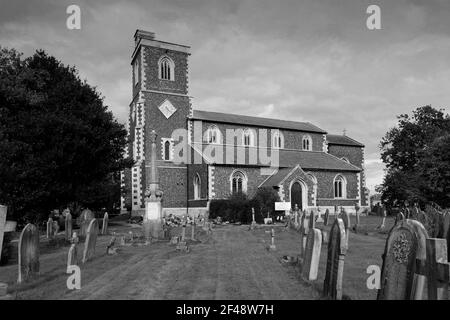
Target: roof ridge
(343,161)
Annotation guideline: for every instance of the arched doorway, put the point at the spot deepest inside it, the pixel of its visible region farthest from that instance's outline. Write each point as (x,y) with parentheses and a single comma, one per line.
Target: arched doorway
(296,195)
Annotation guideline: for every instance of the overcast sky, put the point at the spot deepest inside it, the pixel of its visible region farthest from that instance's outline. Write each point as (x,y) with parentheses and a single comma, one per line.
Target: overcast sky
(309,60)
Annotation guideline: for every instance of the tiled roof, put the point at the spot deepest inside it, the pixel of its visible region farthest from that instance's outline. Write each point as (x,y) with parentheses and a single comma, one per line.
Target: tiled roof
(342,140)
(276,178)
(314,160)
(255,121)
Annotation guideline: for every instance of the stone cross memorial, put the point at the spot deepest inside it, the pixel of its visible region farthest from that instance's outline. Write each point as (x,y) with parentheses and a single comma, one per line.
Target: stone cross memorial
(28,252)
(332,287)
(153,222)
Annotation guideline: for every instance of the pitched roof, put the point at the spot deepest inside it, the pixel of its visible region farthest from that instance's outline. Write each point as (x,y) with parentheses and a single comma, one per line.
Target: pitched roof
(342,140)
(255,121)
(314,160)
(276,178)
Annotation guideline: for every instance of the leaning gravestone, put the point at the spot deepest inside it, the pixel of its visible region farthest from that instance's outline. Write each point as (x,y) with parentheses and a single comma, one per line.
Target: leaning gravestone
(91,240)
(68,226)
(332,287)
(3,211)
(310,265)
(85,219)
(28,252)
(403,274)
(105,224)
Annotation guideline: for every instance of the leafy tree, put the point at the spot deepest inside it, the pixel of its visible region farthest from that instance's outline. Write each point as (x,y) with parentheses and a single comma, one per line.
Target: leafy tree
(409,152)
(265,198)
(59,144)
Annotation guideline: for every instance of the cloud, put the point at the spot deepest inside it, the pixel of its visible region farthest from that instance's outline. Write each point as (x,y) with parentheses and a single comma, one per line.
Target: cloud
(298,60)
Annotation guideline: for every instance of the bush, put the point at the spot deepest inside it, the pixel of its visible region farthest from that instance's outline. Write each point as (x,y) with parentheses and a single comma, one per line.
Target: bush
(238,208)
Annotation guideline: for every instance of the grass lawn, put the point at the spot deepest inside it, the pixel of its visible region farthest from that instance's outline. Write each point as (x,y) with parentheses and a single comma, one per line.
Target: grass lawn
(231,264)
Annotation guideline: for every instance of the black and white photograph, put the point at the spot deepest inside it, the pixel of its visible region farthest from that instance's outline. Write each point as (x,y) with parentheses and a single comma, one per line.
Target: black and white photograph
(224,156)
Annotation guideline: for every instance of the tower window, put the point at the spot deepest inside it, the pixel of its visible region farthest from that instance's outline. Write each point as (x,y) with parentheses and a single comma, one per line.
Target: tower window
(135,72)
(238,183)
(166,69)
(197,187)
(307,143)
(166,149)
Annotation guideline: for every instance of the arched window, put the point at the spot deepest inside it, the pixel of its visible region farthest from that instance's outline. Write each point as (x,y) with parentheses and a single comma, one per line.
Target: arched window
(340,187)
(277,139)
(307,143)
(213,135)
(248,138)
(167,150)
(197,187)
(166,68)
(238,182)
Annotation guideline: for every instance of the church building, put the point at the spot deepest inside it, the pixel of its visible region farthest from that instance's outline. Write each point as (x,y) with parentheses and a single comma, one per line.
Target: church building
(204,155)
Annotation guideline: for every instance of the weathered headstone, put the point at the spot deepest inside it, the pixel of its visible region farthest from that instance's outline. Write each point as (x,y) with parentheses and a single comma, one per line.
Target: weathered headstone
(402,274)
(105,224)
(91,240)
(437,269)
(68,226)
(28,251)
(312,220)
(55,228)
(446,234)
(3,211)
(183,232)
(346,220)
(319,215)
(50,225)
(110,250)
(337,250)
(193,230)
(326,217)
(272,240)
(85,219)
(310,265)
(72,255)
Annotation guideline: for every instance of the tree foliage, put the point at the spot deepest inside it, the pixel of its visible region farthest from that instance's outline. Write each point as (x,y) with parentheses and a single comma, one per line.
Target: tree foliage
(59,144)
(417,157)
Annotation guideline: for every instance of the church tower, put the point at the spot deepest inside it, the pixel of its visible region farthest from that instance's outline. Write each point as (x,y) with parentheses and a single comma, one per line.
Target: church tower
(160,102)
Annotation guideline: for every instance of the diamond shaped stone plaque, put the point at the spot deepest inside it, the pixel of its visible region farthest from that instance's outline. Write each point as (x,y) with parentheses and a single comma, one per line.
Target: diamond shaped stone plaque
(167,109)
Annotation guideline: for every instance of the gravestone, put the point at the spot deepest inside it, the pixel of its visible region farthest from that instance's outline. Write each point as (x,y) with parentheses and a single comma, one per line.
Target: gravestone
(437,269)
(55,228)
(193,230)
(302,238)
(3,211)
(403,259)
(253,225)
(28,252)
(310,265)
(446,234)
(272,240)
(68,226)
(332,287)
(72,255)
(91,240)
(85,219)
(110,250)
(319,215)
(50,226)
(326,217)
(105,224)
(183,232)
(346,220)
(312,220)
